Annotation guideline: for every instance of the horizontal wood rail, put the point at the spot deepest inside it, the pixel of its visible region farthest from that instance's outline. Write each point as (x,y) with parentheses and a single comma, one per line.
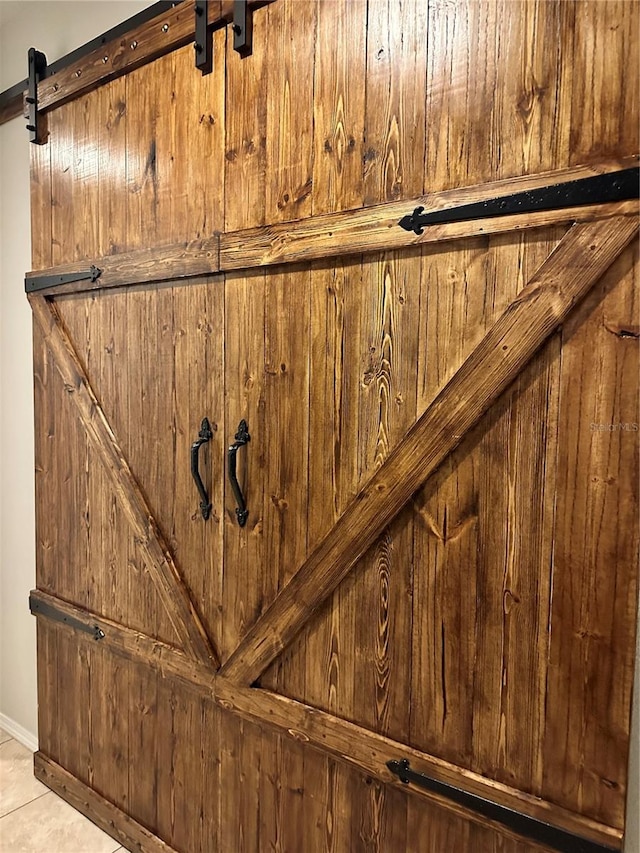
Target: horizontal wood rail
(375,229)
(579,260)
(162,568)
(352,744)
(138,46)
(166,263)
(114,821)
(371,229)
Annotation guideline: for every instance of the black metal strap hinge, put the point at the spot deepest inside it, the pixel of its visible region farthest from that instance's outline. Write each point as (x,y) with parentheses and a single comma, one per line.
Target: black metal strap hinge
(41,282)
(242,27)
(203,44)
(41,608)
(599,189)
(522,824)
(36,123)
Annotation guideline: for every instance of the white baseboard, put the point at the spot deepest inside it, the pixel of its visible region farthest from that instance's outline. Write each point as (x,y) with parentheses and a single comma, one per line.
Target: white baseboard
(18,732)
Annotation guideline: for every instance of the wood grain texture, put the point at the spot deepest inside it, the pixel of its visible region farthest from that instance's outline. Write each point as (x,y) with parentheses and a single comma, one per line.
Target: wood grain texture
(290,168)
(594,592)
(580,260)
(99,810)
(182,261)
(170,584)
(346,233)
(376,228)
(338,103)
(140,46)
(346,742)
(394,122)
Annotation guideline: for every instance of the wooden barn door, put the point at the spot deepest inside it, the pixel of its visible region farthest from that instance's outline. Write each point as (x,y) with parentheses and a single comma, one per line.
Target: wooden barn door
(421,636)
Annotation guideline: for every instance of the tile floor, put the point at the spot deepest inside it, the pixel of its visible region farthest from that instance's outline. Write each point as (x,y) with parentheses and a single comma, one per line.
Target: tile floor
(35,820)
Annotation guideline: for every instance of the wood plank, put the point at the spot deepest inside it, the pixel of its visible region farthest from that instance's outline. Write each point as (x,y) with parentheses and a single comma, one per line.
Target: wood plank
(394,121)
(347,742)
(179,261)
(246,131)
(338,103)
(291,29)
(244,379)
(41,208)
(48,729)
(166,576)
(111,819)
(140,46)
(195,389)
(376,228)
(169,661)
(498,87)
(580,260)
(369,752)
(343,233)
(593,615)
(604,104)
(481,587)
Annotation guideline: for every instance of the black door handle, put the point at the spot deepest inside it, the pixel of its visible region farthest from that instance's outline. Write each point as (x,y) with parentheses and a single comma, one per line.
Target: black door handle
(204,436)
(242,437)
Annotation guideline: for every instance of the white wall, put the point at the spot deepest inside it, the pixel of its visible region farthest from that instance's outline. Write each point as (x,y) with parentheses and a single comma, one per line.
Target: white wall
(57,27)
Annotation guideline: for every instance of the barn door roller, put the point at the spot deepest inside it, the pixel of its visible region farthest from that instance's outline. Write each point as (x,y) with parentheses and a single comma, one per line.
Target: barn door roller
(600,189)
(242,33)
(529,827)
(36,123)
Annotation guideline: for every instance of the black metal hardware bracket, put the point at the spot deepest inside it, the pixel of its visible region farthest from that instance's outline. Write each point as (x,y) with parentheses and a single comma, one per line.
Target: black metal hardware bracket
(242,28)
(204,436)
(242,437)
(41,282)
(117,32)
(599,189)
(204,42)
(36,123)
(40,608)
(522,824)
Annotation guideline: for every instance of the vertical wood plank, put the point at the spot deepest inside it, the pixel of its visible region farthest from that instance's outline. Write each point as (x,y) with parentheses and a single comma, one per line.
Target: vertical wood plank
(198,392)
(246,130)
(289,125)
(48,730)
(244,575)
(144,740)
(397,38)
(73,717)
(604,103)
(498,90)
(108,706)
(338,103)
(194,186)
(593,615)
(41,208)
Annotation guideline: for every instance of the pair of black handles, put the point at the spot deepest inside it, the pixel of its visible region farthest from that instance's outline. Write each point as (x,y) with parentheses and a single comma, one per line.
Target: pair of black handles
(205,435)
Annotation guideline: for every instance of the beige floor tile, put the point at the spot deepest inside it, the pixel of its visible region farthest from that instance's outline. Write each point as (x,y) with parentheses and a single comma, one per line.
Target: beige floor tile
(4,736)
(17,783)
(49,825)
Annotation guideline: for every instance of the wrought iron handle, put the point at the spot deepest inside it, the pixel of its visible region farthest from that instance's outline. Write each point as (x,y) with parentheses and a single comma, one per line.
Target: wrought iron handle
(204,436)
(242,437)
